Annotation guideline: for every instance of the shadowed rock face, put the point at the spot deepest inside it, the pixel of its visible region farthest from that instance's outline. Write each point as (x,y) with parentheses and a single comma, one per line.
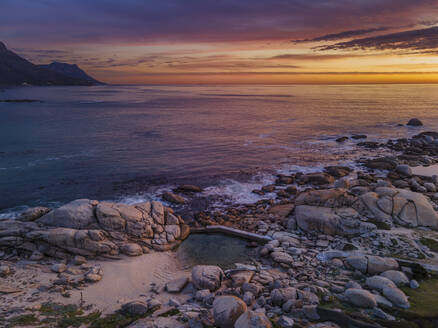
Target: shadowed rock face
(89,228)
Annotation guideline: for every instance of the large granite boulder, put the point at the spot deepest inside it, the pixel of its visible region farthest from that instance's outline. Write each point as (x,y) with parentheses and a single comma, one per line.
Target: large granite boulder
(397,277)
(331,221)
(325,198)
(318,178)
(372,264)
(89,228)
(360,297)
(226,310)
(400,206)
(78,214)
(207,277)
(33,213)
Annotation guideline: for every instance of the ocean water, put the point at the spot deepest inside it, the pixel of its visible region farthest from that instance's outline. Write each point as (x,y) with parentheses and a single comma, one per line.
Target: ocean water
(130,143)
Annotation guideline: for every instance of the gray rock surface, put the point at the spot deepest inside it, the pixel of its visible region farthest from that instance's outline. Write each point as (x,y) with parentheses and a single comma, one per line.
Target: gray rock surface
(226,310)
(360,297)
(251,319)
(207,277)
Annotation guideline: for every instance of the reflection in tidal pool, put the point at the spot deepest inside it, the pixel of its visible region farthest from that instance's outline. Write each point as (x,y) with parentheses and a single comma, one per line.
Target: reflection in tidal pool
(214,249)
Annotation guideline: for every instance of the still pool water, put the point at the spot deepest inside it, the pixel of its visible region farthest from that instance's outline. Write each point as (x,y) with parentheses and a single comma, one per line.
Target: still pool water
(214,249)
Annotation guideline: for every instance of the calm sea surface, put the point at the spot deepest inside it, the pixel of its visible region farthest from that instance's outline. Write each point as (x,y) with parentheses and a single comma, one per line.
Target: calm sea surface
(131,142)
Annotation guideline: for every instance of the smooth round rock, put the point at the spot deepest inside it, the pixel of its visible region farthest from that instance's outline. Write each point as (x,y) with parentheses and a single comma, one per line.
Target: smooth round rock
(226,310)
(251,319)
(360,297)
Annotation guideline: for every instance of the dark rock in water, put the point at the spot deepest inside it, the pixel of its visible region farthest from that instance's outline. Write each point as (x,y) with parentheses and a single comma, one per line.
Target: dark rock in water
(284,180)
(33,213)
(383,163)
(173,198)
(268,188)
(415,122)
(338,171)
(369,144)
(342,139)
(316,179)
(291,190)
(358,136)
(188,188)
(432,134)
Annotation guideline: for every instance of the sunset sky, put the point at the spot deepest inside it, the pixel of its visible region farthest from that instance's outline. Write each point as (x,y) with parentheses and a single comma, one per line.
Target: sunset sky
(230,41)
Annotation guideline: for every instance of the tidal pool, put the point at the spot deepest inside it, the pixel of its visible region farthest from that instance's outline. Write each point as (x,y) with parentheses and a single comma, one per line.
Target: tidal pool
(214,249)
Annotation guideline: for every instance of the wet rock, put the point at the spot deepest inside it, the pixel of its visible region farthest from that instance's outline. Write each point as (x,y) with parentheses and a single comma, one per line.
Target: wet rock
(383,163)
(226,310)
(251,319)
(33,213)
(414,122)
(369,144)
(317,179)
(338,171)
(268,188)
(177,285)
(341,139)
(207,277)
(188,188)
(173,198)
(360,297)
(358,136)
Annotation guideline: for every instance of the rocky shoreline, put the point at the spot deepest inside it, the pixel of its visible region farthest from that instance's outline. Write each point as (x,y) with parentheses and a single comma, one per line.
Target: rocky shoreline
(338,248)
